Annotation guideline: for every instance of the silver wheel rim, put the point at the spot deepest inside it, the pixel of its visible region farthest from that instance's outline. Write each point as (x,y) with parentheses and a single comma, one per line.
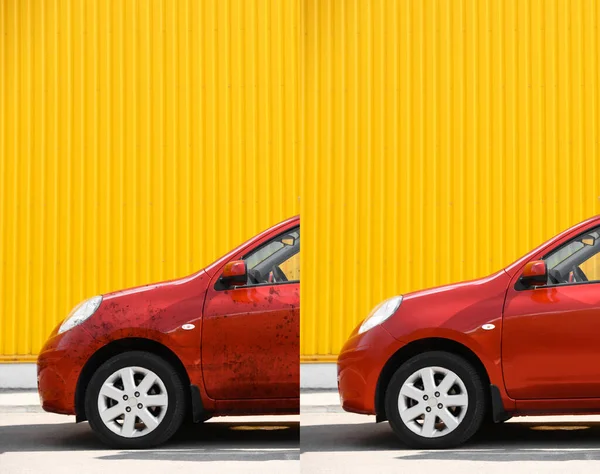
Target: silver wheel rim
(133,402)
(433,402)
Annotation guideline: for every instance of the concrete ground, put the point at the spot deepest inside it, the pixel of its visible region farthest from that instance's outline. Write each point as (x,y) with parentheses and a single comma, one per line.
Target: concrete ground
(332,441)
(32,441)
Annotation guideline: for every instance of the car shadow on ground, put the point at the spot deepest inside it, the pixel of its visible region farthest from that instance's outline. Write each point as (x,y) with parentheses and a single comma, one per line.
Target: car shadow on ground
(499,443)
(212,441)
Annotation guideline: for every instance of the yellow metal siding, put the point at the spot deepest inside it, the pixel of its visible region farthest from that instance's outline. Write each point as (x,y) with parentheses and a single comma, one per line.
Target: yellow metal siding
(431,141)
(139,141)
(444,139)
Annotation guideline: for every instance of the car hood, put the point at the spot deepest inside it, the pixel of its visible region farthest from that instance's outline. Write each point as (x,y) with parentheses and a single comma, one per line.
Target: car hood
(160,307)
(469,286)
(155,289)
(460,306)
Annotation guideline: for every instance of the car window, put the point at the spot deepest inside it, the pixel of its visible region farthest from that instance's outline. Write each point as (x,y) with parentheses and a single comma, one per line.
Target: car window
(563,253)
(277,261)
(576,262)
(591,268)
(291,267)
(263,253)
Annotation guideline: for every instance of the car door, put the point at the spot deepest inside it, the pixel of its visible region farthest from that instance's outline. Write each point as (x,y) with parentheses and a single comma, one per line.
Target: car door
(551,334)
(251,333)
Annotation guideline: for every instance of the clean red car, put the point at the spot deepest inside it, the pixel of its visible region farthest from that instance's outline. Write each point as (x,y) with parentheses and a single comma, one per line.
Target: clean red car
(524,341)
(223,341)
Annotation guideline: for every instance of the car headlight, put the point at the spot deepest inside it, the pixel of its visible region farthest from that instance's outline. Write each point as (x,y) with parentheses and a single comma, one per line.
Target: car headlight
(380,313)
(80,313)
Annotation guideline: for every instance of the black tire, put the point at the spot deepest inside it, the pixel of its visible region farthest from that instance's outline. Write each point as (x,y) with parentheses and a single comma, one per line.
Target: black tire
(176,409)
(476,409)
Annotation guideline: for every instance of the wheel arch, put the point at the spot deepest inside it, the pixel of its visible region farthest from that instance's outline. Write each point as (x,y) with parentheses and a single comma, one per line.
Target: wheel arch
(114,348)
(418,347)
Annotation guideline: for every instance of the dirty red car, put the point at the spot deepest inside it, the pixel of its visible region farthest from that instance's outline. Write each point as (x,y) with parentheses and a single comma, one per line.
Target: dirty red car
(441,362)
(224,341)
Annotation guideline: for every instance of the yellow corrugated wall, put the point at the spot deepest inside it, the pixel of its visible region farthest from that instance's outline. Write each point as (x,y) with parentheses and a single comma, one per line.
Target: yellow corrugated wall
(139,141)
(445,139)
(430,141)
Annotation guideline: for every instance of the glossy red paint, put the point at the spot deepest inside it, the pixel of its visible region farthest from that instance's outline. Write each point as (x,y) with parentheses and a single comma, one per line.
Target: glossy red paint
(454,312)
(359,366)
(535,273)
(263,320)
(539,345)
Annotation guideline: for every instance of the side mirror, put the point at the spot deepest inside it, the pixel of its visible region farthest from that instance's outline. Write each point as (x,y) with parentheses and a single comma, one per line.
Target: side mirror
(535,274)
(235,273)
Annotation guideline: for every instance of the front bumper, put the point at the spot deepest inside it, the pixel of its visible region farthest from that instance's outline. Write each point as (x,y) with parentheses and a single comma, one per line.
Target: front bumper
(58,368)
(359,365)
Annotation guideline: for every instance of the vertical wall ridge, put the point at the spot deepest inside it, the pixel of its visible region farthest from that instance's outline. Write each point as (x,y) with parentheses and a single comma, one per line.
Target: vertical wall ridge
(462,134)
(127,131)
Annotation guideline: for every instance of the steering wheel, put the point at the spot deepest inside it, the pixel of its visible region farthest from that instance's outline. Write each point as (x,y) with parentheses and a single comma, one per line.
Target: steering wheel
(278,274)
(579,275)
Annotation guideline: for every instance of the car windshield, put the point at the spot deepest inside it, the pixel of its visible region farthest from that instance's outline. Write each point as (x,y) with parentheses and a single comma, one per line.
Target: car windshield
(275,251)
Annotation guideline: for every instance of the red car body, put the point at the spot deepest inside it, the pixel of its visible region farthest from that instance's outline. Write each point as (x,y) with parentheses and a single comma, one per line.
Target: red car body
(238,347)
(537,348)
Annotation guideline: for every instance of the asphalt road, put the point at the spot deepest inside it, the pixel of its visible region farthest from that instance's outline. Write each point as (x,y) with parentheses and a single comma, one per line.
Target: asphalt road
(34,442)
(335,442)
(332,441)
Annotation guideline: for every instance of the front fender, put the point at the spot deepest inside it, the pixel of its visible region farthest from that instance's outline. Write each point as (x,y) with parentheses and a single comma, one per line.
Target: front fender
(468,313)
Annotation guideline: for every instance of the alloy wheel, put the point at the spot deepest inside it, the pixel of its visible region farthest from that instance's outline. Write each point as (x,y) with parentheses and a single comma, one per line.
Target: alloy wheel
(132,402)
(433,402)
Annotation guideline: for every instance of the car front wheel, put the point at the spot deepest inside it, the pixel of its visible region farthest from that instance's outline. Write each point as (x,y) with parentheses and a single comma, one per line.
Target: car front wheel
(435,400)
(135,400)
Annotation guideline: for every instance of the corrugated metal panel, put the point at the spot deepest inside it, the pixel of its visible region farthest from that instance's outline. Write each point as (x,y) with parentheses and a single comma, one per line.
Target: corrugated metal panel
(139,140)
(447,138)
(438,141)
